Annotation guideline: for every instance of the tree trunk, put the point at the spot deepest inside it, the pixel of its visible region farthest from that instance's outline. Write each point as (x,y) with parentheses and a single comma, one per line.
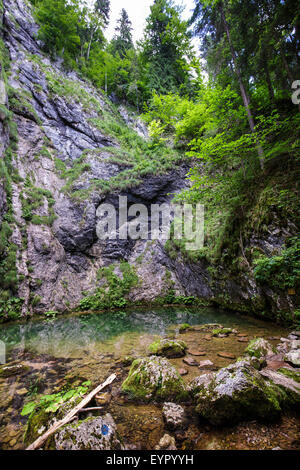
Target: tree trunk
(245,98)
(90,43)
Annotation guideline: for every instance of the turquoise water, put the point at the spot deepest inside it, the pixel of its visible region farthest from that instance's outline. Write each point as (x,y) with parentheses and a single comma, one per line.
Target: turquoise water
(66,334)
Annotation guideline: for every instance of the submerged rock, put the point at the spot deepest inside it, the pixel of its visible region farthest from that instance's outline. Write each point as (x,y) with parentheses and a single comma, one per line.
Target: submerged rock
(98,433)
(259,347)
(168,348)
(154,378)
(235,393)
(174,415)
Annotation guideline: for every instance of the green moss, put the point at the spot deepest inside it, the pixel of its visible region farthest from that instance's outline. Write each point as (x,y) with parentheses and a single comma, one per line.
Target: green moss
(32,199)
(221,331)
(154,379)
(168,348)
(293,374)
(184,327)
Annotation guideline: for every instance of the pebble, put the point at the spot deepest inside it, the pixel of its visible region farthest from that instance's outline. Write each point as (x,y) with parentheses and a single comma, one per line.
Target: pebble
(243,340)
(182,372)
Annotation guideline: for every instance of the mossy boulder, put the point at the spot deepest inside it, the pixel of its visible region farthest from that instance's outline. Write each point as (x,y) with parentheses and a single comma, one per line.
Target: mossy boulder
(40,420)
(293,374)
(287,384)
(221,331)
(168,348)
(293,357)
(94,433)
(236,393)
(259,347)
(184,327)
(154,378)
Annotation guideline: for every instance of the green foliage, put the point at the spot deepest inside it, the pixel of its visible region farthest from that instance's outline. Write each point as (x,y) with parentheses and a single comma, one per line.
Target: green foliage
(19,103)
(10,308)
(282,271)
(51,314)
(32,199)
(114,290)
(51,403)
(166,48)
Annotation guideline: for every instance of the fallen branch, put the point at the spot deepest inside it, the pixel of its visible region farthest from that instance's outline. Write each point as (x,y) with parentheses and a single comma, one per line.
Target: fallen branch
(42,439)
(93,408)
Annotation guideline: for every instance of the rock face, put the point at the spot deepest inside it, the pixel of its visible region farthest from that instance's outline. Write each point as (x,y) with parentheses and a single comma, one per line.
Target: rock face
(154,378)
(59,259)
(98,433)
(168,348)
(65,152)
(235,393)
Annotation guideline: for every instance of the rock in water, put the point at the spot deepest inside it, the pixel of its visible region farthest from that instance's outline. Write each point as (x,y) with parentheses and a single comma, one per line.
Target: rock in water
(293,357)
(98,433)
(167,442)
(168,348)
(174,415)
(154,378)
(206,365)
(236,393)
(259,347)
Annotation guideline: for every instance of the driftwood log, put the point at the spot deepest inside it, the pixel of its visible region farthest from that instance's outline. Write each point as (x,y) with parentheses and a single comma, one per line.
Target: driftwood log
(70,416)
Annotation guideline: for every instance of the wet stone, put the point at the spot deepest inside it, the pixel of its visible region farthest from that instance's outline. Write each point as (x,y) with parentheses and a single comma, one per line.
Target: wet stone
(206,365)
(174,415)
(226,355)
(190,361)
(196,353)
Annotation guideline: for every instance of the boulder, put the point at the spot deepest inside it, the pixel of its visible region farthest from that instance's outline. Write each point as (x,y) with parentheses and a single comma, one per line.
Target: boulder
(154,378)
(259,347)
(184,327)
(222,332)
(293,357)
(198,382)
(168,348)
(288,384)
(235,393)
(95,433)
(174,416)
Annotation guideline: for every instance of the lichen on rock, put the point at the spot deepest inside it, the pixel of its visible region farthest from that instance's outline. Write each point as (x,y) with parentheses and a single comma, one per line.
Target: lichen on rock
(94,433)
(236,393)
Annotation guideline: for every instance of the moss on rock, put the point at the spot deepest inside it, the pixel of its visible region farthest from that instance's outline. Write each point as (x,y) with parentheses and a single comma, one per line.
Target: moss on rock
(235,393)
(259,347)
(154,378)
(168,348)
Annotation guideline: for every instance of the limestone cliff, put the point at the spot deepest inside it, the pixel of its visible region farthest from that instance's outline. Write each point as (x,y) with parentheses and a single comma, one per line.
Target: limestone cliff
(63,160)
